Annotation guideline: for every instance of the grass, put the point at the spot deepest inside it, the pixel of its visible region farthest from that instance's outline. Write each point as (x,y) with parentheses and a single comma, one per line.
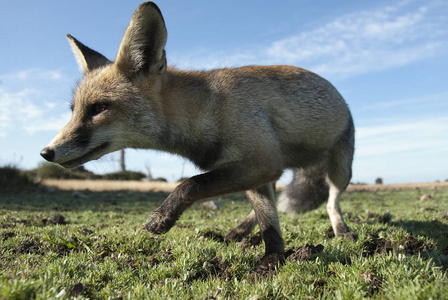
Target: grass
(91,245)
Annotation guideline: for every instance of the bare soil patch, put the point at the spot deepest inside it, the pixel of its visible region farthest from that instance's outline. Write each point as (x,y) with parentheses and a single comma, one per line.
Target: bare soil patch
(409,245)
(110,185)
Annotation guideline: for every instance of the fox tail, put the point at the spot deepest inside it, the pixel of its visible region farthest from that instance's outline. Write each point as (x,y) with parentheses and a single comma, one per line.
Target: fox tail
(307,191)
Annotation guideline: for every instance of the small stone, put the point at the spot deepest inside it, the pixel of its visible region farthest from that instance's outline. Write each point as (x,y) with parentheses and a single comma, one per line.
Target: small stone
(213,205)
(78,194)
(426,197)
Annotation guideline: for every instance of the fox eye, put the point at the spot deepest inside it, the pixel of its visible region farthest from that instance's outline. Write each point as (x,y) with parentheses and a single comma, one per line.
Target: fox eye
(99,108)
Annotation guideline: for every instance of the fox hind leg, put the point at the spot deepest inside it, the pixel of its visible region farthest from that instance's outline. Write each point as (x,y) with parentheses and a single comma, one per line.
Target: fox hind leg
(263,203)
(338,178)
(243,229)
(265,214)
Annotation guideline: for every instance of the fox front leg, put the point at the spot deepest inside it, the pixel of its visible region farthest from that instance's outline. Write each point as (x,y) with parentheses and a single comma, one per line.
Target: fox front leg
(198,187)
(166,215)
(213,183)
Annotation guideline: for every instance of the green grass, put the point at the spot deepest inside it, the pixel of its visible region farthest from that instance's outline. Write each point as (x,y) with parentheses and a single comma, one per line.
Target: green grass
(56,246)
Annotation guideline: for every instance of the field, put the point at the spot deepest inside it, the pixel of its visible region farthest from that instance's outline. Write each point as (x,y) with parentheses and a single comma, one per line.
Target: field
(56,243)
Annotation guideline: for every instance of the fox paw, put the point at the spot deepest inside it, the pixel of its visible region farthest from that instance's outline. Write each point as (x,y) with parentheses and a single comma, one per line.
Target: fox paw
(234,236)
(159,224)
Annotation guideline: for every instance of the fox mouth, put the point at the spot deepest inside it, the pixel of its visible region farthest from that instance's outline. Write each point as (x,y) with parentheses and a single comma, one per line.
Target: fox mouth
(92,154)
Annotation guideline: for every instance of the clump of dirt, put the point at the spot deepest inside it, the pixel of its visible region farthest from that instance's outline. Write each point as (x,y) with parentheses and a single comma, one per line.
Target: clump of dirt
(251,241)
(79,288)
(131,263)
(213,235)
(56,219)
(319,285)
(153,261)
(269,264)
(377,244)
(7,234)
(166,255)
(329,233)
(103,251)
(76,289)
(409,245)
(373,281)
(30,246)
(213,267)
(378,218)
(62,249)
(413,246)
(85,231)
(303,253)
(267,268)
(41,220)
(7,225)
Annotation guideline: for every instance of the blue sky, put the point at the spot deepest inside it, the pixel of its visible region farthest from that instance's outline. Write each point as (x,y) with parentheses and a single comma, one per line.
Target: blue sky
(389,59)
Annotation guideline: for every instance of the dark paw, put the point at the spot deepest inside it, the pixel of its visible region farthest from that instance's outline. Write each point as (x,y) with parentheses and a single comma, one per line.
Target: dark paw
(234,236)
(159,224)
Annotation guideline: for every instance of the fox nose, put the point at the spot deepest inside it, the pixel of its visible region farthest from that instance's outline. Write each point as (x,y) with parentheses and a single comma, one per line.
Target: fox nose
(47,153)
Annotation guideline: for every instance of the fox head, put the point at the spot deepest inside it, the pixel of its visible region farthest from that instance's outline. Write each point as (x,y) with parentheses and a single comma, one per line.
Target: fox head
(111,109)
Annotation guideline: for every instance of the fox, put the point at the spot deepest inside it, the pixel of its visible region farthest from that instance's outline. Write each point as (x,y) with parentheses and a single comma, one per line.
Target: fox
(242,127)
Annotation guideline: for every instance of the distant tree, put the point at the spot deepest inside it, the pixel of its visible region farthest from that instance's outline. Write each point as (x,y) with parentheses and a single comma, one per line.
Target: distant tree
(122,163)
(379,180)
(148,172)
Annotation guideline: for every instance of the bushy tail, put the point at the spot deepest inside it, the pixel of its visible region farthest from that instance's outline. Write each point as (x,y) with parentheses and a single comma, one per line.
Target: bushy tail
(307,191)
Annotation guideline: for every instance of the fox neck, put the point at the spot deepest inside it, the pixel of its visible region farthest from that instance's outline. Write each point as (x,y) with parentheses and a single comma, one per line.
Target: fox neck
(184,126)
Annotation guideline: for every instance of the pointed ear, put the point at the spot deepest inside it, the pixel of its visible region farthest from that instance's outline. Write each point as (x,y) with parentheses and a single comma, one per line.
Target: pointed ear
(87,58)
(142,46)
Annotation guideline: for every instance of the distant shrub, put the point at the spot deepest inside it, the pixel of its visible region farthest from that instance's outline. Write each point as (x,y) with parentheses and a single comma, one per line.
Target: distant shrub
(127,175)
(12,178)
(379,180)
(46,170)
(358,183)
(160,179)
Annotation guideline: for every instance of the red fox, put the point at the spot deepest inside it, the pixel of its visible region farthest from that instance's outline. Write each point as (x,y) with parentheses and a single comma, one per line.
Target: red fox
(242,126)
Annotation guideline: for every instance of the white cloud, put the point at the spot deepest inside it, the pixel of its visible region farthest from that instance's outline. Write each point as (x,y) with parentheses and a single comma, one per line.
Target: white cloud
(402,150)
(412,135)
(29,101)
(355,43)
(432,101)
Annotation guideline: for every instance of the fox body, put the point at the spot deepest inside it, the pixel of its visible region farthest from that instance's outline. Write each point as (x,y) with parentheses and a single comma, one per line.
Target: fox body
(242,126)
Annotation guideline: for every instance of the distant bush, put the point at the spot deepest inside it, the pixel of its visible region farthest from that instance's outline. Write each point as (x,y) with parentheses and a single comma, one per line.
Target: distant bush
(47,170)
(11,178)
(379,180)
(127,175)
(358,183)
(160,179)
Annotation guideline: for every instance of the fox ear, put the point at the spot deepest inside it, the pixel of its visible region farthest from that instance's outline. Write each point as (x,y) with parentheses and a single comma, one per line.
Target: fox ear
(142,46)
(87,58)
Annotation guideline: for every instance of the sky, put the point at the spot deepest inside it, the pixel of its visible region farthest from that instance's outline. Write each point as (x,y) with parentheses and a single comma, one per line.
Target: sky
(388,59)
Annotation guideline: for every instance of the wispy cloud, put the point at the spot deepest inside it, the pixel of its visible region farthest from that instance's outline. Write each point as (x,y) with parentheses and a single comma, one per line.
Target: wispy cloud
(355,43)
(28,101)
(420,135)
(431,101)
